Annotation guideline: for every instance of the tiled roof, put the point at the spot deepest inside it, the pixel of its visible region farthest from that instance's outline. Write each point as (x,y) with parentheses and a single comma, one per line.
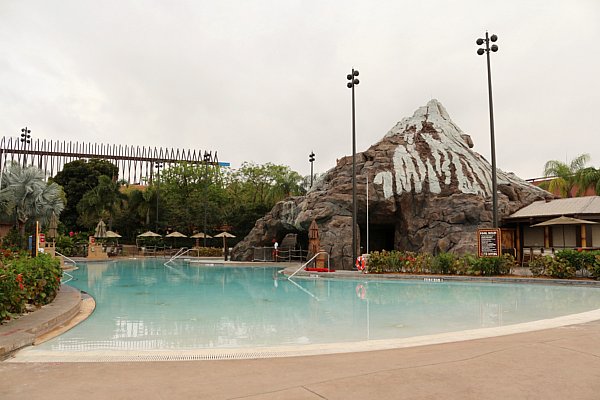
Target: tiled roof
(588,205)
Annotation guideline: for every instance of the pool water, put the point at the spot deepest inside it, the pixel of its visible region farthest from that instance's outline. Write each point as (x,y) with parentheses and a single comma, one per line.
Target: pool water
(145,305)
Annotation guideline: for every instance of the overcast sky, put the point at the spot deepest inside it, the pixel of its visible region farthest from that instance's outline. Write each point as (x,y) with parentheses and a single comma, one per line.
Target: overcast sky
(265,81)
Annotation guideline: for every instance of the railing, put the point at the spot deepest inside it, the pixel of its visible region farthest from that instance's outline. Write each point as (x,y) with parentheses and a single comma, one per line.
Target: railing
(309,261)
(68,280)
(65,272)
(65,257)
(283,255)
(182,251)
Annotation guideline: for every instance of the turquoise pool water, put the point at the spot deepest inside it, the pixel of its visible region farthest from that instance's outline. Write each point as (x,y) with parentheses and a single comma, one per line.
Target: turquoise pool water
(145,305)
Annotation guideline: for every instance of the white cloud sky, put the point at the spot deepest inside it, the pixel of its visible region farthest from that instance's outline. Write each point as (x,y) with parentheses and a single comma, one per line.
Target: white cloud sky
(265,81)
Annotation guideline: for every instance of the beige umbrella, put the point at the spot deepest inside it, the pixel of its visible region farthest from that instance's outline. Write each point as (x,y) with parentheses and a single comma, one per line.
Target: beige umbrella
(562,220)
(149,234)
(111,234)
(225,235)
(53,226)
(200,235)
(176,235)
(100,231)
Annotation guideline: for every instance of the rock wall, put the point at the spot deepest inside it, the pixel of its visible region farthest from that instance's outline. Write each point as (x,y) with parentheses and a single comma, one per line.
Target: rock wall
(428,192)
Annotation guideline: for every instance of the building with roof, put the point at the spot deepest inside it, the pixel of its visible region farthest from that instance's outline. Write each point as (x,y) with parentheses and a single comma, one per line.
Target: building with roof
(526,237)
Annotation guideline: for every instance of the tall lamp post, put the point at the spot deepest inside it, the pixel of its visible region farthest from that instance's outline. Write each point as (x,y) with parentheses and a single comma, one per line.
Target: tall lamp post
(481,52)
(158,165)
(311,159)
(353,81)
(25,139)
(206,161)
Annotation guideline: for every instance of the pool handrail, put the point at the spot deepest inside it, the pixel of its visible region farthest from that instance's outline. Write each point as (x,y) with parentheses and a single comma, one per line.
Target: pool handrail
(182,251)
(65,257)
(312,258)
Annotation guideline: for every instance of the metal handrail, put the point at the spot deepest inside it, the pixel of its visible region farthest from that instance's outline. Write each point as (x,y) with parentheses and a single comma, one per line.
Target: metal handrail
(68,280)
(183,251)
(306,263)
(65,257)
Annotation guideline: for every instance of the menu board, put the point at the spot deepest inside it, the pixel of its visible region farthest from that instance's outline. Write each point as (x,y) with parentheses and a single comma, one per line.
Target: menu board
(488,242)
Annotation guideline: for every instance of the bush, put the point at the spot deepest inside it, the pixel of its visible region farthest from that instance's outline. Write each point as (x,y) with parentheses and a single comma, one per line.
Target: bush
(561,269)
(580,260)
(538,265)
(210,251)
(443,263)
(14,240)
(25,280)
(595,268)
(489,266)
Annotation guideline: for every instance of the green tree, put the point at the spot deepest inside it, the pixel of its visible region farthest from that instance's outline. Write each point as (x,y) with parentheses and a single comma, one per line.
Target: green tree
(264,184)
(77,178)
(188,193)
(104,201)
(589,177)
(565,176)
(26,195)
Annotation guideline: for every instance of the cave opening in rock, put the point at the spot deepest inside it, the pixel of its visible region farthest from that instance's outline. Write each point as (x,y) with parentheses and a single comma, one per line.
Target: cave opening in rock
(381,237)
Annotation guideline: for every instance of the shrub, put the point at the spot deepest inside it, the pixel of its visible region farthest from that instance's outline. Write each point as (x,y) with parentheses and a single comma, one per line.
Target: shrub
(538,265)
(443,263)
(561,269)
(489,266)
(580,260)
(376,263)
(465,265)
(27,280)
(421,263)
(595,268)
(210,251)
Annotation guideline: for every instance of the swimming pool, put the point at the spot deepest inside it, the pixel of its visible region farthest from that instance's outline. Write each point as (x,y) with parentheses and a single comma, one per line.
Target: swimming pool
(144,305)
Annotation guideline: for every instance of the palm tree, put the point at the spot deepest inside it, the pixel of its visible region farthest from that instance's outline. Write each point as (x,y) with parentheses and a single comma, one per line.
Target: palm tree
(565,176)
(588,177)
(104,201)
(27,195)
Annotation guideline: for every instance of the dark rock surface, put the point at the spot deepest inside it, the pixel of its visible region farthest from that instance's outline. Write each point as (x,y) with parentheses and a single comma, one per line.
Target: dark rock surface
(428,192)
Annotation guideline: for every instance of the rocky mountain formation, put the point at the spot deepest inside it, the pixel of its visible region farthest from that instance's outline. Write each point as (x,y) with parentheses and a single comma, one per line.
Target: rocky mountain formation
(428,192)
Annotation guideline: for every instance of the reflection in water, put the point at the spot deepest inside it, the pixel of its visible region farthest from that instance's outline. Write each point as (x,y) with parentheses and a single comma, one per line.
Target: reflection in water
(145,305)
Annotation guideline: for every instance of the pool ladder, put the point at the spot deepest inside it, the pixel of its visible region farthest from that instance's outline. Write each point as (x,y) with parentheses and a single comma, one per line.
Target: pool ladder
(182,251)
(309,261)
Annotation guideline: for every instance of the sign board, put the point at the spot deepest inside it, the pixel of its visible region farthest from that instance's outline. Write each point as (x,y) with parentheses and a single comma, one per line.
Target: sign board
(488,242)
(42,238)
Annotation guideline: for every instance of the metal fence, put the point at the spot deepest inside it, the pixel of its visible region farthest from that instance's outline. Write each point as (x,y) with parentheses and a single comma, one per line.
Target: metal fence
(135,163)
(268,254)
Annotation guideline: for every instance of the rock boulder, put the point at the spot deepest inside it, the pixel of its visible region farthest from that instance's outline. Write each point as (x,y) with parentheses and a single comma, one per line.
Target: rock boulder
(428,192)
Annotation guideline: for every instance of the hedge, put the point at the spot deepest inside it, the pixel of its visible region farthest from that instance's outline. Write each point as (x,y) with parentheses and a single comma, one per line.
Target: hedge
(26,280)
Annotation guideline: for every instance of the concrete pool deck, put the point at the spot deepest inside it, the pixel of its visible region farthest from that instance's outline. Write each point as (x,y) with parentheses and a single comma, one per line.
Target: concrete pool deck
(558,363)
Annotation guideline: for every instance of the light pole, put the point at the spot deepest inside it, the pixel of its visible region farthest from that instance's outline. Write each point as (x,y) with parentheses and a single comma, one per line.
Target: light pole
(158,165)
(311,159)
(25,139)
(486,51)
(353,81)
(206,161)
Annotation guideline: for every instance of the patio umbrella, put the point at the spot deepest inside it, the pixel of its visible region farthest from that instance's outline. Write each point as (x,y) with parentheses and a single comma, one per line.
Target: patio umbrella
(100,231)
(200,235)
(176,235)
(225,235)
(149,234)
(562,220)
(53,227)
(113,235)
